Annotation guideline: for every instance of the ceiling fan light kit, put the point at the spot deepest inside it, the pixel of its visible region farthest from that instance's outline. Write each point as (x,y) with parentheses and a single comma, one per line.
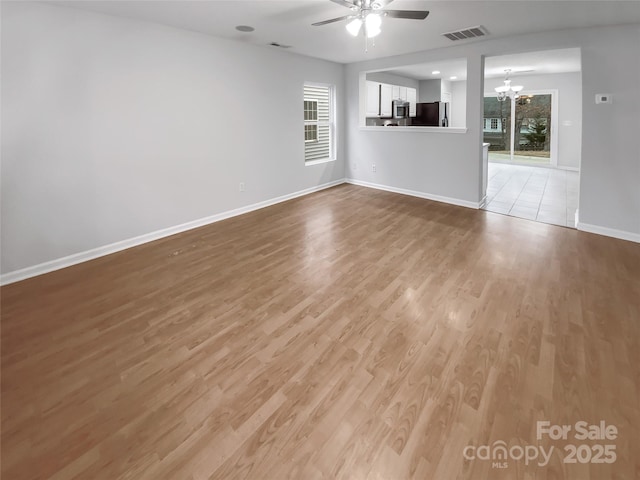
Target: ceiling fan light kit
(369,13)
(372,23)
(353,27)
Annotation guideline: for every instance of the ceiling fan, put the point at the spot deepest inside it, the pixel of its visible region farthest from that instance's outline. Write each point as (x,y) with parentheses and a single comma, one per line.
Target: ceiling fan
(369,13)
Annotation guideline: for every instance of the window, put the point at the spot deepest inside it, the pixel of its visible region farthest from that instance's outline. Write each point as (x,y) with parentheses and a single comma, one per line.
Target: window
(318,122)
(310,133)
(494,124)
(310,115)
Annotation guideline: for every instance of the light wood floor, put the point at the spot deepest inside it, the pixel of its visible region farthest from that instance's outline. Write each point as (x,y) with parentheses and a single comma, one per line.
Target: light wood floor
(351,333)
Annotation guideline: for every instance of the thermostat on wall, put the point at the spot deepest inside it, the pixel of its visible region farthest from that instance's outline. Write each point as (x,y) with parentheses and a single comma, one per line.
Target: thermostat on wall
(604,98)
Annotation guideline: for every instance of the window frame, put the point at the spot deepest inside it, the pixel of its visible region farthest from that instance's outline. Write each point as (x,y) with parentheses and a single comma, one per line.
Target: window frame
(331,123)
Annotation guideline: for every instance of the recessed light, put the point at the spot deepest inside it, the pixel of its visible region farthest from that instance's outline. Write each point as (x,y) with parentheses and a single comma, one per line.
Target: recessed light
(245,28)
(453,78)
(435,72)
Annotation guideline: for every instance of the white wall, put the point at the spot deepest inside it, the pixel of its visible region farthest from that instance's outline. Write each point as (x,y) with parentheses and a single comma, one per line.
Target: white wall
(435,90)
(429,91)
(445,91)
(114,128)
(449,165)
(458,104)
(569,87)
(610,168)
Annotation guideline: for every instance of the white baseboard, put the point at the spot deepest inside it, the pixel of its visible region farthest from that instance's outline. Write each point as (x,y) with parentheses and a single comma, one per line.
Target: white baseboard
(80,257)
(87,255)
(413,193)
(609,232)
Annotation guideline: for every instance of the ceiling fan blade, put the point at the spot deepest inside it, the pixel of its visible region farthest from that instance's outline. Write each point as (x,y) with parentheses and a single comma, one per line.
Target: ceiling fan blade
(332,20)
(408,14)
(344,3)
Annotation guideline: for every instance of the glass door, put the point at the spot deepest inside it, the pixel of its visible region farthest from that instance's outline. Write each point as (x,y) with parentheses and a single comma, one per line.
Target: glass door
(497,128)
(531,129)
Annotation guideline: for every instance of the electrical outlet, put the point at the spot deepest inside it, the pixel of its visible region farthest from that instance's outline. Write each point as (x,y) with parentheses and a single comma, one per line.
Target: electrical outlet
(241,188)
(373,168)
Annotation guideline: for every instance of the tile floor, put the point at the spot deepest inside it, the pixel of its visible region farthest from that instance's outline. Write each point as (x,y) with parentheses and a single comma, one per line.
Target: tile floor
(545,195)
(522,159)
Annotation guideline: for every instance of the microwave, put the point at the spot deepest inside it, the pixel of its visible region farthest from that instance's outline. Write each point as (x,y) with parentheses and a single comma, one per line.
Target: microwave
(400,109)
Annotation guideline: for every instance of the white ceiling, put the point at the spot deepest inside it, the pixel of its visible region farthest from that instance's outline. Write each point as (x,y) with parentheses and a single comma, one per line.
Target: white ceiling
(423,71)
(534,63)
(289,21)
(530,63)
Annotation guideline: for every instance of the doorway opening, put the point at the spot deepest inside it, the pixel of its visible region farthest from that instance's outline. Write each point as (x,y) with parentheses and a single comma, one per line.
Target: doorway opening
(532,134)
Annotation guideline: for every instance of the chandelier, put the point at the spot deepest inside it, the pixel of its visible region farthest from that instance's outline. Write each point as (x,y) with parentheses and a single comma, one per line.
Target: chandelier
(508,90)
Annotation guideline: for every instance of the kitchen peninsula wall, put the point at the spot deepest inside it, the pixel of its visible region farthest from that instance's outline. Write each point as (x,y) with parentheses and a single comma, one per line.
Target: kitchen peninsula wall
(381,122)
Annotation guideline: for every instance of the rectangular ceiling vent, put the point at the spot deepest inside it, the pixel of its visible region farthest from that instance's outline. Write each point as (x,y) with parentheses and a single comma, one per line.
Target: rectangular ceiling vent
(469,32)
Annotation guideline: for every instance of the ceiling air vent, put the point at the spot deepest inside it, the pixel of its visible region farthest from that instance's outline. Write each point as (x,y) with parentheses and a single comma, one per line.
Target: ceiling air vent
(464,33)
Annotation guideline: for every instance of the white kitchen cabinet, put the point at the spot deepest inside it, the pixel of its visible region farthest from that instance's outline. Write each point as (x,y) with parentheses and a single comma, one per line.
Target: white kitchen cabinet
(373,99)
(386,96)
(380,97)
(399,93)
(412,98)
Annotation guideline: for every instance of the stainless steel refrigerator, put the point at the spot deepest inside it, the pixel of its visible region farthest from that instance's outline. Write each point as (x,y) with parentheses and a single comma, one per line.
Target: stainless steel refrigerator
(433,114)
